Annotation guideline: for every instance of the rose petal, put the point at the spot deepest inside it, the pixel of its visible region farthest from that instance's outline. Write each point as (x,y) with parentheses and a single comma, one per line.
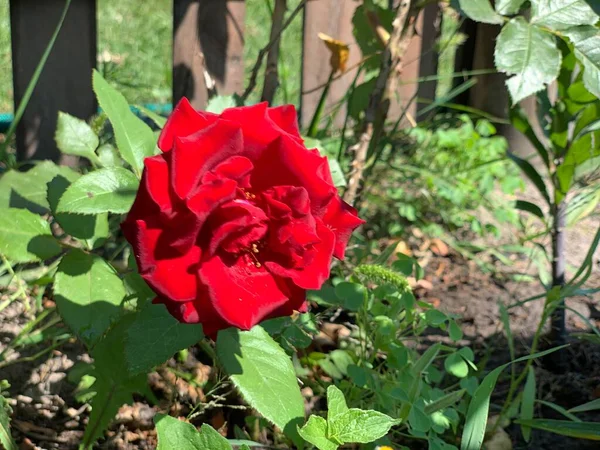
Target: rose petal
(237,168)
(184,120)
(171,276)
(197,154)
(296,302)
(316,272)
(286,162)
(342,219)
(240,292)
(235,226)
(286,118)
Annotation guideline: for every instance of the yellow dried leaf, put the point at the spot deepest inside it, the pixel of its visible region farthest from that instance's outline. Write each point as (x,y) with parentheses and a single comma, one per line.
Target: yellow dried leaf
(340,52)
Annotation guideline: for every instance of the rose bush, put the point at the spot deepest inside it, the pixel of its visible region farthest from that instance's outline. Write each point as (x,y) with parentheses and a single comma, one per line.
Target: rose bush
(236,218)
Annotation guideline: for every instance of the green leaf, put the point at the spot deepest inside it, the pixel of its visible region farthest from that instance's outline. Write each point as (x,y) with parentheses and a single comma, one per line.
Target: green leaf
(339,180)
(176,434)
(106,190)
(135,139)
(159,120)
(520,121)
(527,403)
(454,331)
(589,406)
(418,420)
(480,11)
(524,205)
(75,137)
(28,189)
(6,440)
(586,40)
(109,156)
(357,425)
(583,204)
(477,414)
(352,295)
(445,401)
(529,54)
(154,336)
(562,14)
(509,7)
(456,365)
(315,432)
(264,375)
(336,403)
(220,103)
(532,174)
(93,229)
(26,237)
(88,294)
(506,323)
(559,409)
(363,33)
(579,430)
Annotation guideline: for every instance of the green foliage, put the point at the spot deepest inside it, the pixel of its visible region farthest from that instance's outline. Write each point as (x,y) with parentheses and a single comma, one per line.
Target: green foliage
(580,430)
(527,403)
(480,11)
(344,425)
(448,170)
(529,55)
(135,139)
(26,237)
(264,375)
(106,190)
(6,439)
(173,433)
(154,336)
(88,294)
(75,137)
(28,190)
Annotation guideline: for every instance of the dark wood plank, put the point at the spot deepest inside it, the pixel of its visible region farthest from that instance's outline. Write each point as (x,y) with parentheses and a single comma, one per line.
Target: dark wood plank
(65,83)
(208,38)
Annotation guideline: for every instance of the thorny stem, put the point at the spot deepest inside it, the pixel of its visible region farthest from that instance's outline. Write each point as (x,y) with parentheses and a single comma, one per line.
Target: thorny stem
(314,123)
(263,52)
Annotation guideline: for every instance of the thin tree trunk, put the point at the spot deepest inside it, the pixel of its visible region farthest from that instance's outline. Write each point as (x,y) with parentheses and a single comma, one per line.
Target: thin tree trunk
(271,73)
(558,318)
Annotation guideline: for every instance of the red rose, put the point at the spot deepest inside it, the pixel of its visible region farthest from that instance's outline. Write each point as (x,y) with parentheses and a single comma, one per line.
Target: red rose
(236,219)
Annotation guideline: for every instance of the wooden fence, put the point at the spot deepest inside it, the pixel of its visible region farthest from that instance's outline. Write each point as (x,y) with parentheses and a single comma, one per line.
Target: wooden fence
(206,34)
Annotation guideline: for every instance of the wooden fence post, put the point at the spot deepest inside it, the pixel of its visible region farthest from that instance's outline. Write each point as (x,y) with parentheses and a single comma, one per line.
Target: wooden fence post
(66,81)
(208,39)
(334,17)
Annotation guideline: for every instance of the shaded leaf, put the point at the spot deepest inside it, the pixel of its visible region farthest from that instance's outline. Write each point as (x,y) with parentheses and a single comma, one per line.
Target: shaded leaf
(523,205)
(26,237)
(88,293)
(154,336)
(93,229)
(527,403)
(579,430)
(28,189)
(532,174)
